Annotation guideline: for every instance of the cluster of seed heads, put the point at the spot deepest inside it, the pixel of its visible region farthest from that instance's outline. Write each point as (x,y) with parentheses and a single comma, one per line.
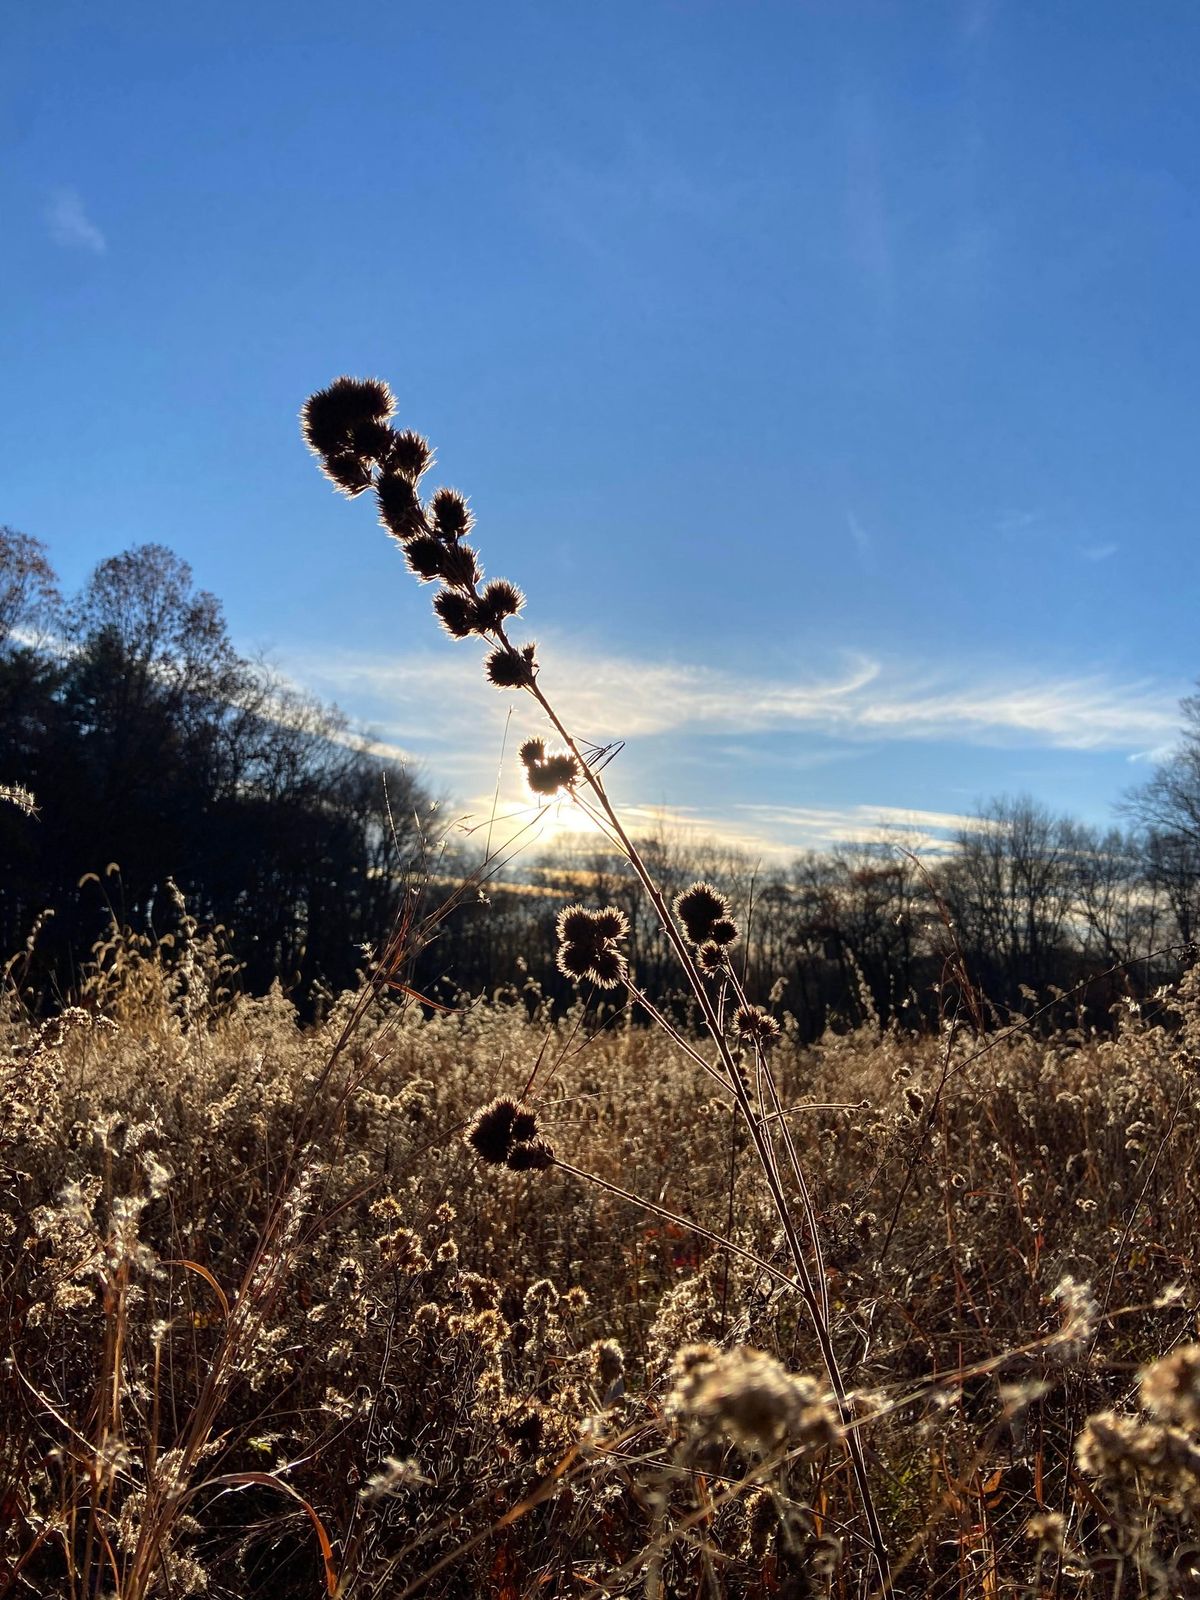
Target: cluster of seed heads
(505,1134)
(347,426)
(545,774)
(749,1397)
(587,944)
(704,913)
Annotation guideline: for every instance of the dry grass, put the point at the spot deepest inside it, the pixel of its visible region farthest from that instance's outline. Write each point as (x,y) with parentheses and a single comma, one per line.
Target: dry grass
(466,1380)
(888,1315)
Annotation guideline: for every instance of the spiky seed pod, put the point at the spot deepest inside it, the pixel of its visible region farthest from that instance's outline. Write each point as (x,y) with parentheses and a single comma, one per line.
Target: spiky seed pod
(451,515)
(511,669)
(372,441)
(456,613)
(399,508)
(499,601)
(329,416)
(424,556)
(459,566)
(504,1127)
(723,931)
(574,960)
(710,958)
(607,967)
(573,925)
(490,1134)
(531,1155)
(698,908)
(755,1025)
(533,751)
(555,773)
(410,455)
(610,923)
(350,474)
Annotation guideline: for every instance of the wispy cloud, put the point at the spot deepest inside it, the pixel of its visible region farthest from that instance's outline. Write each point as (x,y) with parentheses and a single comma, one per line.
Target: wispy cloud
(611,696)
(70,225)
(1099,552)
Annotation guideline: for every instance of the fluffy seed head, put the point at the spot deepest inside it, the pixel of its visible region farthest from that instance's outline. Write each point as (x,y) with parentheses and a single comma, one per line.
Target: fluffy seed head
(329,416)
(451,515)
(698,909)
(747,1396)
(532,751)
(456,613)
(723,931)
(1171,1387)
(399,508)
(511,669)
(607,967)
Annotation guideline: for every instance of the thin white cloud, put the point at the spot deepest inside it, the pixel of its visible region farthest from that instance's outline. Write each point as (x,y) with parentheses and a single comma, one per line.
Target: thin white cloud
(439,698)
(1099,552)
(70,225)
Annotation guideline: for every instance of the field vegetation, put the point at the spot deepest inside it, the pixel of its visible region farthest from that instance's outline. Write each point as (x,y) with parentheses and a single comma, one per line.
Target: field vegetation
(615,1278)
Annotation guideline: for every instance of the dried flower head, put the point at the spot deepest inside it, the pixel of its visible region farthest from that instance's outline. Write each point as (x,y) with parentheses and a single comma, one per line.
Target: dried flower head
(399,507)
(348,472)
(747,1396)
(460,566)
(587,944)
(451,515)
(424,555)
(547,774)
(511,669)
(410,455)
(505,1133)
(711,960)
(756,1026)
(1170,1387)
(456,612)
(698,909)
(723,931)
(328,417)
(372,441)
(499,601)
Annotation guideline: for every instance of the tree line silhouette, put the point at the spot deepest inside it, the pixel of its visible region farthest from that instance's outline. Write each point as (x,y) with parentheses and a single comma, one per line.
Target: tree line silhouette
(158,754)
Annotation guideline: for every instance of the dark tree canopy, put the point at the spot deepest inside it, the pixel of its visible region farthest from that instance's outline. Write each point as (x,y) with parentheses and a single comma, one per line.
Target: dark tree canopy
(150,743)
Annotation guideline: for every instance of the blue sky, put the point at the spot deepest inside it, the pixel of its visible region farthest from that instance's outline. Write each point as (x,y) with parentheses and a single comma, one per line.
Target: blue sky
(825,373)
